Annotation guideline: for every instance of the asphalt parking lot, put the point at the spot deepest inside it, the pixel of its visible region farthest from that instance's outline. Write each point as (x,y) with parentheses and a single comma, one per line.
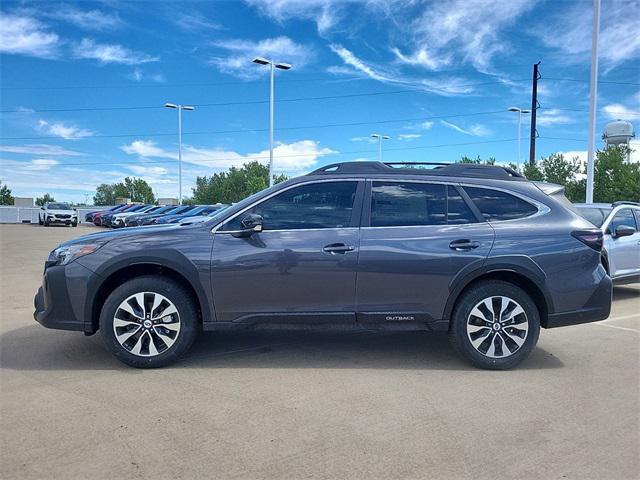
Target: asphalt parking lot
(310,405)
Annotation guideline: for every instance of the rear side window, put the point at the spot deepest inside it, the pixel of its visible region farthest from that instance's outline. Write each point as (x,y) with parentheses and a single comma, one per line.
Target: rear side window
(496,205)
(397,204)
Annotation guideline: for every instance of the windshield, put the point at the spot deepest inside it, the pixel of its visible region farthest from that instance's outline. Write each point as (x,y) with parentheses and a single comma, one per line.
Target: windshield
(59,206)
(594,215)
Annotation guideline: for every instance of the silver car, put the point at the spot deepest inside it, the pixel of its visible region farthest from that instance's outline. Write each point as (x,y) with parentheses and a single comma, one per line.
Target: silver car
(620,223)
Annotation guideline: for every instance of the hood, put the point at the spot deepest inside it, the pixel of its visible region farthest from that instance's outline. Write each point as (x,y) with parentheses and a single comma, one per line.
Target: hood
(60,212)
(111,235)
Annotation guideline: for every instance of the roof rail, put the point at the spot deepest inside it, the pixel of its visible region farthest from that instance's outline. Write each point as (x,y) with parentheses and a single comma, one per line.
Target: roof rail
(409,168)
(625,202)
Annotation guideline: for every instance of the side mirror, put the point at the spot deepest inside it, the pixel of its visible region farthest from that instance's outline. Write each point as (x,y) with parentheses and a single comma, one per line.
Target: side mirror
(249,225)
(623,231)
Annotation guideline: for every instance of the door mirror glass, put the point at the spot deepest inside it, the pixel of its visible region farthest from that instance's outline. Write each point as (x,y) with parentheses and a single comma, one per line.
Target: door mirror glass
(250,224)
(623,231)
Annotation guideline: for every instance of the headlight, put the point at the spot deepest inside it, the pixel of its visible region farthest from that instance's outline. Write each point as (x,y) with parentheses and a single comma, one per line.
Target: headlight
(67,254)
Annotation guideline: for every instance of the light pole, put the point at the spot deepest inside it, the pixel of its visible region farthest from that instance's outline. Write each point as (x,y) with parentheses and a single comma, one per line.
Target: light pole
(593,95)
(520,112)
(380,139)
(272,66)
(179,108)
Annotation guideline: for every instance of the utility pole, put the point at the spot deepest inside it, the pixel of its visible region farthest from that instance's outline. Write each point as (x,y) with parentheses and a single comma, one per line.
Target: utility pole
(534,108)
(593,94)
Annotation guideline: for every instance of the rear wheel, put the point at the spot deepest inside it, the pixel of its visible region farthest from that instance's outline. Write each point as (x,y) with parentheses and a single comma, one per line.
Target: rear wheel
(495,325)
(149,322)
(39,220)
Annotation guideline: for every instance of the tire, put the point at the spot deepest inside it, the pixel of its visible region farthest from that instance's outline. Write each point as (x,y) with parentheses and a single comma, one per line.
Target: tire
(39,220)
(74,224)
(152,343)
(469,325)
(46,222)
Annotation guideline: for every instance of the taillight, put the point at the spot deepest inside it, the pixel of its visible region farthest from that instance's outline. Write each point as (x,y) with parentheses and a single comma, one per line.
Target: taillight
(591,238)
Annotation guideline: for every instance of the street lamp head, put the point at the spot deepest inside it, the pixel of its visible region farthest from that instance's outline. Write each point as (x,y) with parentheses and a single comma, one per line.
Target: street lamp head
(283,66)
(386,137)
(188,107)
(514,109)
(261,61)
(170,105)
(375,135)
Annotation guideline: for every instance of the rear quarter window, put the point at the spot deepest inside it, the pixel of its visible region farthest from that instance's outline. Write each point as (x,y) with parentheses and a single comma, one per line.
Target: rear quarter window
(496,205)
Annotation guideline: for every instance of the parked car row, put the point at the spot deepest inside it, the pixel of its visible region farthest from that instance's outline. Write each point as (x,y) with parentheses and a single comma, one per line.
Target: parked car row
(135,215)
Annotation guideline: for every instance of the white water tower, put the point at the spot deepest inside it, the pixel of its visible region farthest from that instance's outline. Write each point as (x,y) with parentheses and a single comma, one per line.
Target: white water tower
(618,133)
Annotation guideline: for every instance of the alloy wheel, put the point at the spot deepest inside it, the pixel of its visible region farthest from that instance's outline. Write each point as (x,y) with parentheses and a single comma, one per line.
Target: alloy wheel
(146,324)
(497,327)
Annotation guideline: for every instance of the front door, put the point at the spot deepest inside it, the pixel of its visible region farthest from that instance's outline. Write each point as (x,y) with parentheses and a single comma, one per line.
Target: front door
(301,267)
(623,252)
(418,236)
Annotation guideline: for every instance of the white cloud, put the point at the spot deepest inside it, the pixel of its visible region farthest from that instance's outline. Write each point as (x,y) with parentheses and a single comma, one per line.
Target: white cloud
(446,86)
(110,53)
(409,136)
(192,20)
(475,130)
(68,132)
(86,19)
(138,75)
(40,149)
(467,29)
(617,111)
(41,164)
(21,35)
(426,125)
(552,116)
(325,13)
(288,157)
(148,170)
(618,42)
(239,54)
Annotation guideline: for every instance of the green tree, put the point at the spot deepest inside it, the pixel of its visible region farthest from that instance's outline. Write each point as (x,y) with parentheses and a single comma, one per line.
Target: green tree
(104,195)
(477,160)
(136,189)
(46,198)
(5,195)
(234,184)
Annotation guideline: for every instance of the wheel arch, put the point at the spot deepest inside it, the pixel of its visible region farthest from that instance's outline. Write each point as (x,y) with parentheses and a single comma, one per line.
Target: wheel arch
(119,276)
(523,279)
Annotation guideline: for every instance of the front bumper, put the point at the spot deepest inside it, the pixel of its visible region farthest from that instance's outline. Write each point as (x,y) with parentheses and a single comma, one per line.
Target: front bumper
(63,287)
(598,307)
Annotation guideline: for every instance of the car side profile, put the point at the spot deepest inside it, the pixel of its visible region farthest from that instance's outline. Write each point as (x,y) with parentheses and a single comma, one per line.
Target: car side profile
(620,224)
(57,213)
(476,251)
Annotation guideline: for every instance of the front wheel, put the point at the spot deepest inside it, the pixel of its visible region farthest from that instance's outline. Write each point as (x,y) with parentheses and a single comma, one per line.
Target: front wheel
(149,322)
(495,325)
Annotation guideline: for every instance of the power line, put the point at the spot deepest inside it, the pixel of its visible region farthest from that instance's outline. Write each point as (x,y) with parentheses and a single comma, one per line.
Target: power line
(264,157)
(254,102)
(587,81)
(250,130)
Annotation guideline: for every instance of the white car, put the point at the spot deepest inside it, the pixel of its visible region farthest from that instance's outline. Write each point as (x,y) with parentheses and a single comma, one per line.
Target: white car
(620,223)
(118,219)
(57,213)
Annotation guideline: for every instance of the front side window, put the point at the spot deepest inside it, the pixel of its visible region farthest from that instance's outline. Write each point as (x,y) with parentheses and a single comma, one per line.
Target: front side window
(623,217)
(316,205)
(397,204)
(496,205)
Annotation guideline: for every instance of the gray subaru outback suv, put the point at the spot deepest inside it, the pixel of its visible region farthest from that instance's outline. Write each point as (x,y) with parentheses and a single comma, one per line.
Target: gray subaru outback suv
(477,251)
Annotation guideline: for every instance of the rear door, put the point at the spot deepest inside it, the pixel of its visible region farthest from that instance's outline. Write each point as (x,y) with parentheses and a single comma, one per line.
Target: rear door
(415,237)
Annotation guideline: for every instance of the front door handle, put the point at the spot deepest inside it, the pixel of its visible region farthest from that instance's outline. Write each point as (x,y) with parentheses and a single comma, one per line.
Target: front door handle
(463,245)
(340,248)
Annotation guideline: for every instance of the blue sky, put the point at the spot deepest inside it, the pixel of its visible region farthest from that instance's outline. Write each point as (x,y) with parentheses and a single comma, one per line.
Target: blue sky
(436,76)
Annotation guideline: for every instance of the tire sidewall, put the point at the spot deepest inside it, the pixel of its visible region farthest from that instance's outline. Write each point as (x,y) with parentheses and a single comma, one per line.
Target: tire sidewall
(469,300)
(183,302)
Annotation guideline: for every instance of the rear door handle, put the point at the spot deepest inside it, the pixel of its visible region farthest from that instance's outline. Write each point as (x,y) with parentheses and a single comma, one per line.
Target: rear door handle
(463,245)
(340,248)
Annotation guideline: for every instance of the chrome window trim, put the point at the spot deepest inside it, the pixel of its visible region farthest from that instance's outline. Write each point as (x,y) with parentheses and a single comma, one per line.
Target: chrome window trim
(214,230)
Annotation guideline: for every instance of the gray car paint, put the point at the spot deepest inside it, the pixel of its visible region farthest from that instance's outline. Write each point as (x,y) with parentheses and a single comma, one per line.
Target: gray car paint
(392,272)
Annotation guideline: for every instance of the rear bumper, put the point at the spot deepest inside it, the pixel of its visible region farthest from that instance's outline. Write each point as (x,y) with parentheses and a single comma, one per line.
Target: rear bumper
(598,307)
